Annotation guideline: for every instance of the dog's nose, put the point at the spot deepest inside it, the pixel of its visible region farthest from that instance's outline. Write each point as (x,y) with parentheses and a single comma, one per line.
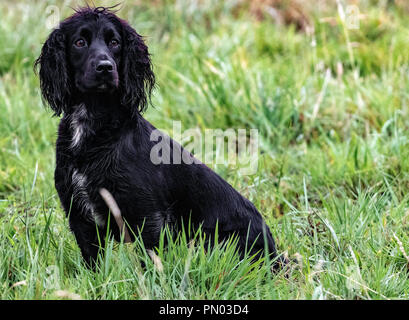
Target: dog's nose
(104,66)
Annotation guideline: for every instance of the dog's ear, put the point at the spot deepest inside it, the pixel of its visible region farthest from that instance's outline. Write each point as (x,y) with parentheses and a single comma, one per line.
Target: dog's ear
(137,77)
(54,78)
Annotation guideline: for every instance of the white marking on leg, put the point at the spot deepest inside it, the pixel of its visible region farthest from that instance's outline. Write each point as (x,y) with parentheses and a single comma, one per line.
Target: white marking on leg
(156,260)
(79,182)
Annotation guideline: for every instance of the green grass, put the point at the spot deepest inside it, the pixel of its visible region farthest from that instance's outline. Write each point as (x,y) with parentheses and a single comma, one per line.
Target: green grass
(333,174)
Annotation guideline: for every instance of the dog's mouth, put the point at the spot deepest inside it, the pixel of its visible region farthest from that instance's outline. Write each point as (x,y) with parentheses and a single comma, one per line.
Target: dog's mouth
(105,84)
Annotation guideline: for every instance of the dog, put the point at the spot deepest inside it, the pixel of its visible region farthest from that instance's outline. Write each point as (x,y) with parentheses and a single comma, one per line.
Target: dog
(95,70)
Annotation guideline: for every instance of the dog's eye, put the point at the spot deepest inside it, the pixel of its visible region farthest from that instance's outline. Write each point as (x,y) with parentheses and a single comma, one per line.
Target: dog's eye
(114,43)
(80,43)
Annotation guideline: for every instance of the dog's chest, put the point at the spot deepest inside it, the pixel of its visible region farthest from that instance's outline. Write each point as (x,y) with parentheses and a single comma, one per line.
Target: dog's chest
(79,127)
(81,194)
(91,167)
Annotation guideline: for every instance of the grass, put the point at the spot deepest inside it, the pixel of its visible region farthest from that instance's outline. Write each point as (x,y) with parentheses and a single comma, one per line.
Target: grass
(332,110)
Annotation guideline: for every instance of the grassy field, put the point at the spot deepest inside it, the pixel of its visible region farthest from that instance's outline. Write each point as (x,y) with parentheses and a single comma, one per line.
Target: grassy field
(331,104)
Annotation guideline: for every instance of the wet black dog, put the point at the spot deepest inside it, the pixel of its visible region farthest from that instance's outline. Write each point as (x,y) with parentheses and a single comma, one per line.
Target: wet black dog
(96,71)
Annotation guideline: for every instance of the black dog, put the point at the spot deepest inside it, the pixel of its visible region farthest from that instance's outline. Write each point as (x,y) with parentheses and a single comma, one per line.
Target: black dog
(96,71)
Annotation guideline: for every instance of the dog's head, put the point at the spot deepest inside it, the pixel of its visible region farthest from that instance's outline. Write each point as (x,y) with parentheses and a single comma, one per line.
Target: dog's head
(94,52)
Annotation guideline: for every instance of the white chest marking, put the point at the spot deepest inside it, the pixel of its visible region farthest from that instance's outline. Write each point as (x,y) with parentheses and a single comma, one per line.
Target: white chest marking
(78,131)
(77,125)
(79,182)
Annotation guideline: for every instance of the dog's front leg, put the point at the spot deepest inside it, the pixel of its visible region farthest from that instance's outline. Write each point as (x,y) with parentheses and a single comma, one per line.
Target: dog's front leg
(90,238)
